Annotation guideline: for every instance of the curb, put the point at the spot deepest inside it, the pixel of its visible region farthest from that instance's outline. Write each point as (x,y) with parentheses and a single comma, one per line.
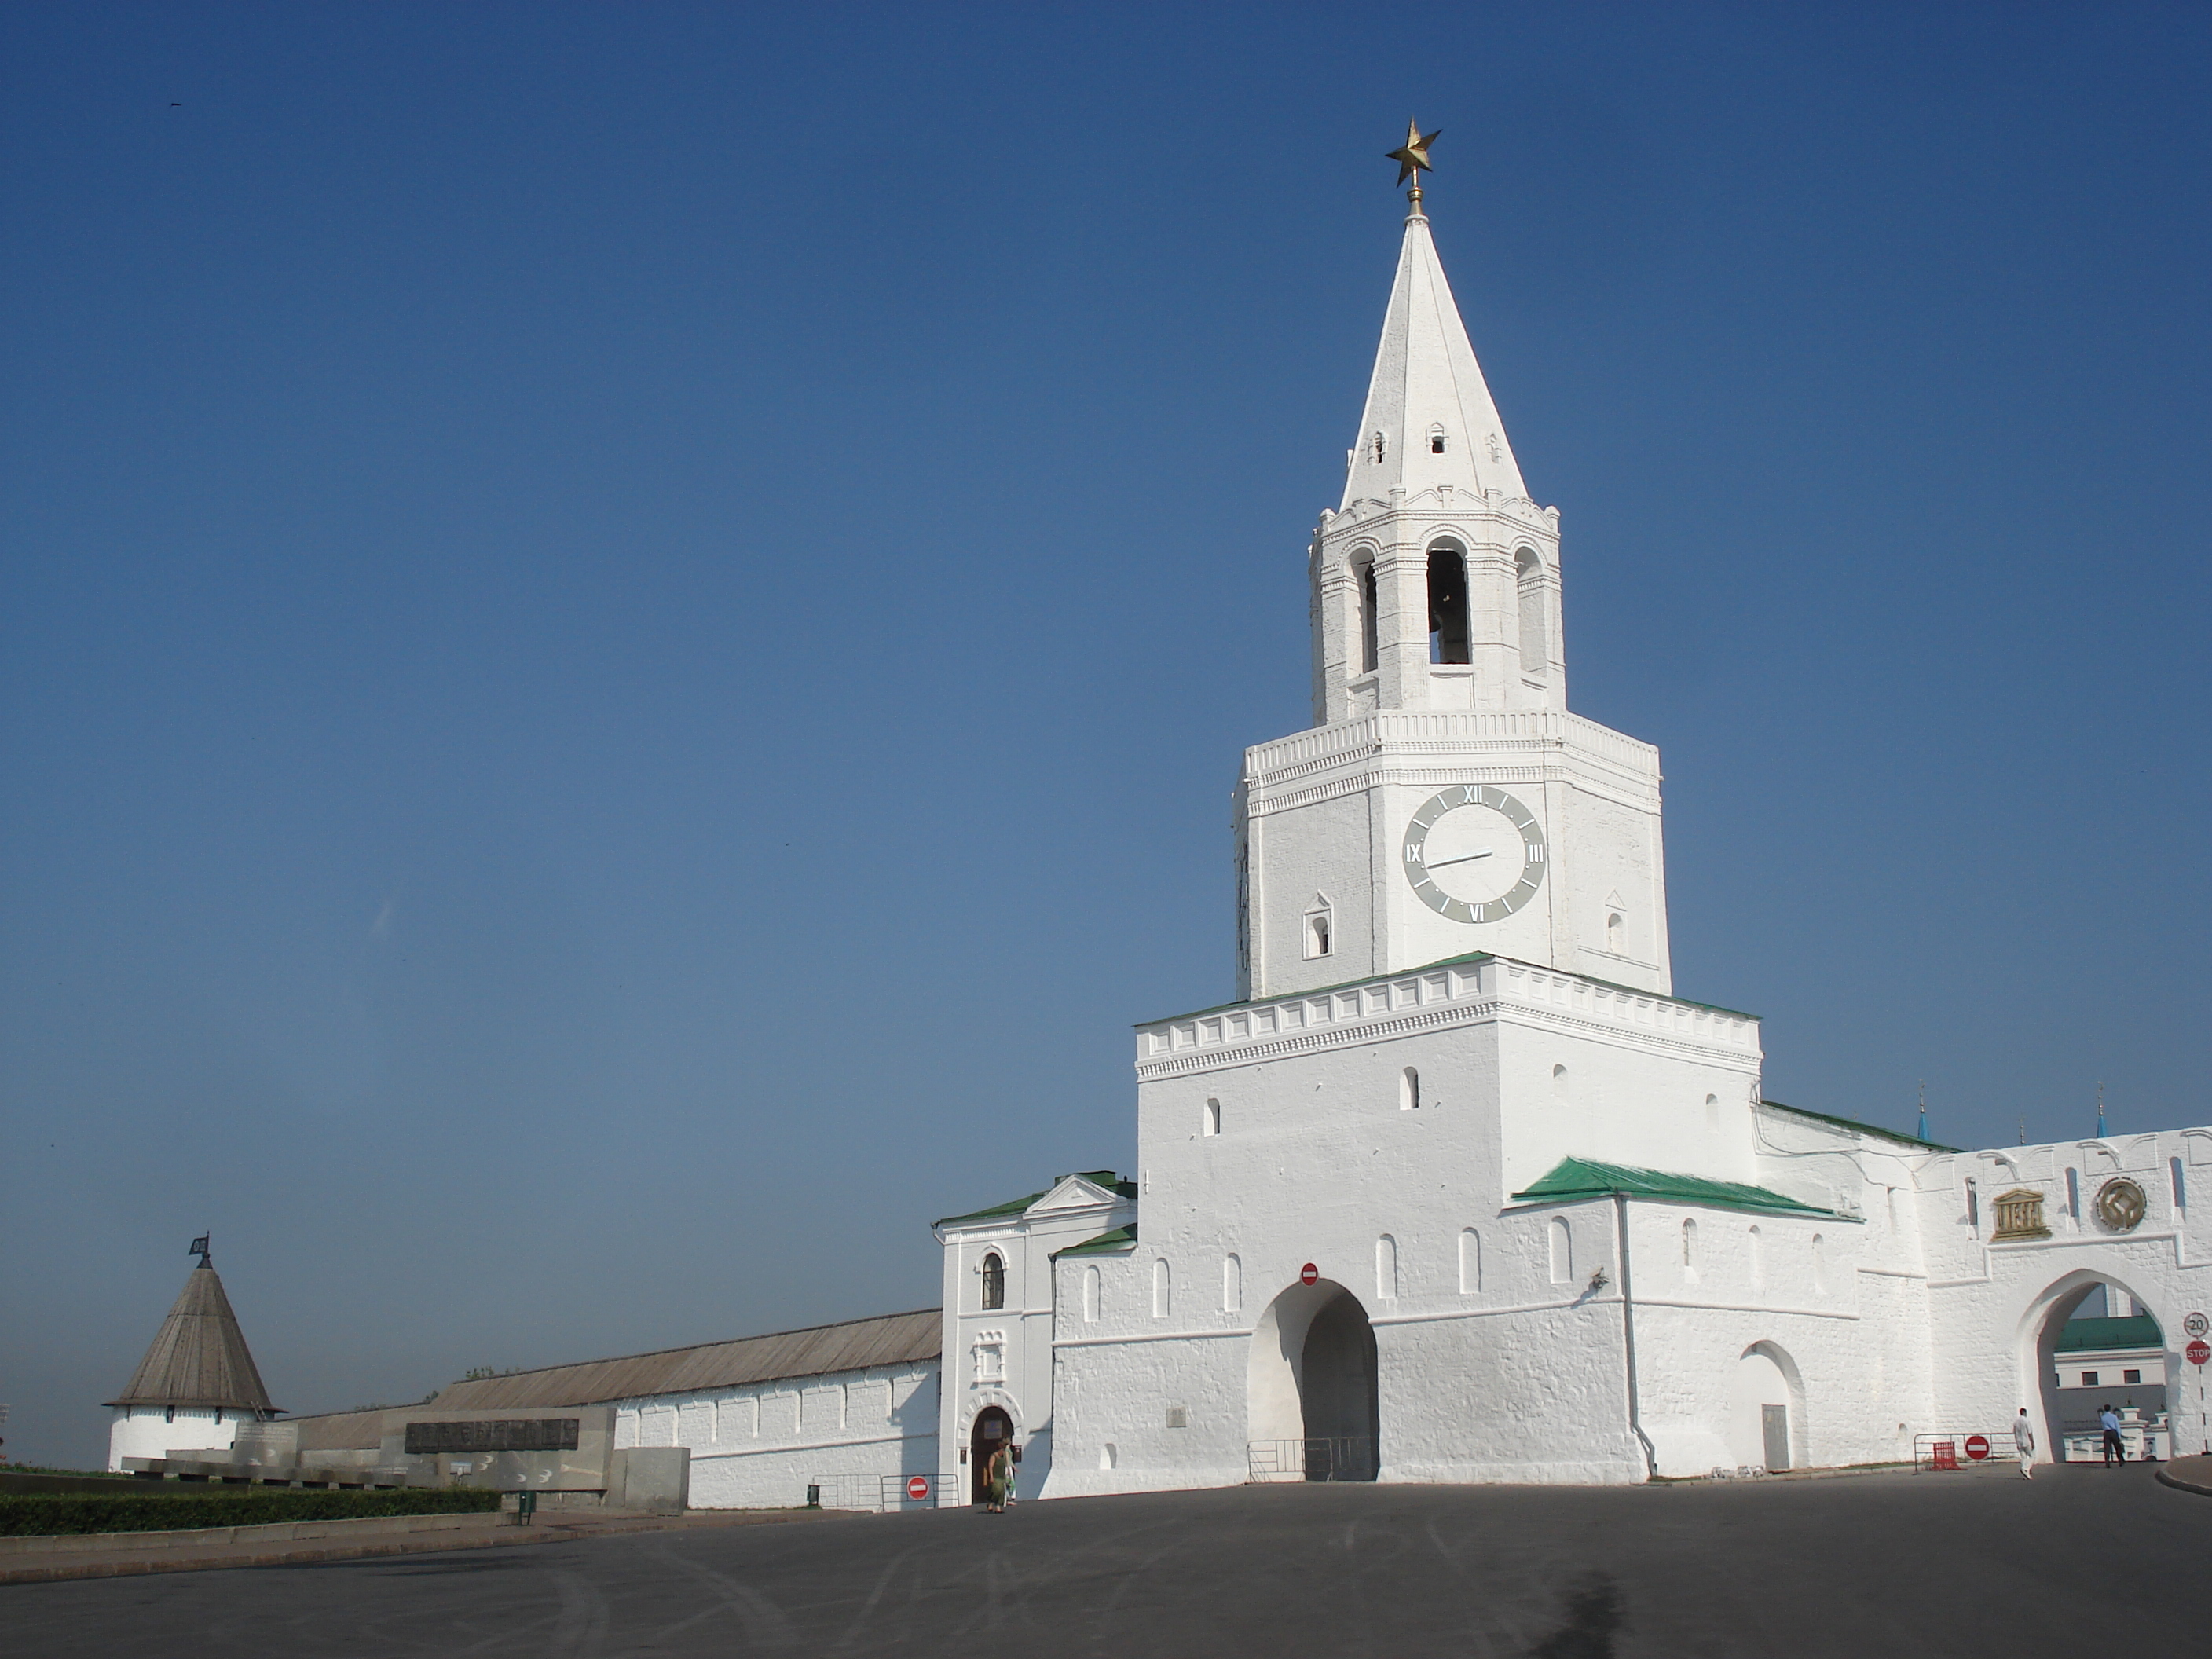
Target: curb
(2179,1485)
(183,1562)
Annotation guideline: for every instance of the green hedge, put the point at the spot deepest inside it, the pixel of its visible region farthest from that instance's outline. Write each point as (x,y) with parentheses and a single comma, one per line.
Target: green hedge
(178,1505)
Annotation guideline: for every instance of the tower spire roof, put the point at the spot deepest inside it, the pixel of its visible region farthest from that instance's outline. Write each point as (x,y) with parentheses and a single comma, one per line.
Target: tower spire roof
(199,1357)
(1427,388)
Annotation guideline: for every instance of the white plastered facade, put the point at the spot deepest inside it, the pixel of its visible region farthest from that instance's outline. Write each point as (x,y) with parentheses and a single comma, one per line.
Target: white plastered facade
(1474,1120)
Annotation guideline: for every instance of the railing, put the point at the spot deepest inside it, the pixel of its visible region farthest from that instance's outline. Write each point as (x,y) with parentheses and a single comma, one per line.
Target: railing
(1327,1457)
(883,1494)
(1960,1448)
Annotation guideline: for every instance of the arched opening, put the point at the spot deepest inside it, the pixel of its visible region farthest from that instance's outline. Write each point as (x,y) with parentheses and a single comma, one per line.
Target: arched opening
(1363,570)
(1470,1262)
(1766,1410)
(1386,1268)
(1210,1123)
(1820,1266)
(2093,1342)
(994,1281)
(1559,1084)
(1757,1253)
(1435,441)
(1160,1288)
(1563,1251)
(1312,1395)
(1616,933)
(1448,625)
(1232,1282)
(993,1430)
(1090,1295)
(1689,1250)
(1409,1090)
(1712,1114)
(1535,637)
(1319,932)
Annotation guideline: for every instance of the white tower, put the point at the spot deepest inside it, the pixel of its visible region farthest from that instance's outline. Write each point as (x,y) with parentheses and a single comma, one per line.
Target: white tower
(1446,801)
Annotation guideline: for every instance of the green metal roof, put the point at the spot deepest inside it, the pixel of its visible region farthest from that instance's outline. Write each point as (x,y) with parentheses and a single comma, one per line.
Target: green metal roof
(1450,962)
(1863,1128)
(1579,1178)
(1120,1239)
(1109,1179)
(2089,1335)
(1011,1207)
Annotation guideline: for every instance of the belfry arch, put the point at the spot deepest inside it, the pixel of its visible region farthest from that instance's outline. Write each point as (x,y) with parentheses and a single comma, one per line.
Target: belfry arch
(1312,1377)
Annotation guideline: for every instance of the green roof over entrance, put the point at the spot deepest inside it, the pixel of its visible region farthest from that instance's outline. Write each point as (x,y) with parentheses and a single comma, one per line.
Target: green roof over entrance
(2095,1335)
(1579,1178)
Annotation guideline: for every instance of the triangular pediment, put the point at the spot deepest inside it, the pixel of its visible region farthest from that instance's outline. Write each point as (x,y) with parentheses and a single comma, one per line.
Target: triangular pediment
(1073,1192)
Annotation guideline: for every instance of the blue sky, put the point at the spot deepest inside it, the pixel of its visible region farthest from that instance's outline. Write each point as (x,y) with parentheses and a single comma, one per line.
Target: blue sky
(627,628)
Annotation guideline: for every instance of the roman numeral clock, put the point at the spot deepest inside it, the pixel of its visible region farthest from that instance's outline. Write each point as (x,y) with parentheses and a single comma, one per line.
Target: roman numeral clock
(1475,854)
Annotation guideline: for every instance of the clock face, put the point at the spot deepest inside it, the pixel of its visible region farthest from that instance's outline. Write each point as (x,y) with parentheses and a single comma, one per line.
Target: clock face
(1475,854)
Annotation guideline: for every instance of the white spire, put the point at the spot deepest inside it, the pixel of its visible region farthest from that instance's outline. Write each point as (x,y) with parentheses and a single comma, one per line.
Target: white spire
(1427,385)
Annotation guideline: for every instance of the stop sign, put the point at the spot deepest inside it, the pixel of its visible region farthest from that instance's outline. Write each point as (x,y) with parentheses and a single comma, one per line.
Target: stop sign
(918,1488)
(2198,1352)
(1309,1274)
(1977,1446)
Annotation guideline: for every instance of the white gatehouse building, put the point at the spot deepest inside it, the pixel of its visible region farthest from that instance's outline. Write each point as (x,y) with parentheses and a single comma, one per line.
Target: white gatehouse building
(1457,1188)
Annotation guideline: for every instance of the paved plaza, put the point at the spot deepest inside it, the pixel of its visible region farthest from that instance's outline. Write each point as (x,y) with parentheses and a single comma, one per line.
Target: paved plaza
(1967,1564)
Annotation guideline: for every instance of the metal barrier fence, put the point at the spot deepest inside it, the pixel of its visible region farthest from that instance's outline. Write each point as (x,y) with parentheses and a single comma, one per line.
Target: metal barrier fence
(1960,1449)
(1339,1457)
(883,1494)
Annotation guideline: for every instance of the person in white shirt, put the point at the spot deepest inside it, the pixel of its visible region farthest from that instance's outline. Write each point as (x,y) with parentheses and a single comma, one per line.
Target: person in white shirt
(2023,1442)
(2116,1450)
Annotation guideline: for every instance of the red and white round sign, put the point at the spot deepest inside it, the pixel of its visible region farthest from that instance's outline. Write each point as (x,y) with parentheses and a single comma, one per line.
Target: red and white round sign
(918,1488)
(2198,1325)
(2198,1352)
(1309,1274)
(1977,1446)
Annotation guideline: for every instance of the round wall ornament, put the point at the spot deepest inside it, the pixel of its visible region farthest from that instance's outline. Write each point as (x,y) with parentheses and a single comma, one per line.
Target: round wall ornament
(2120,1204)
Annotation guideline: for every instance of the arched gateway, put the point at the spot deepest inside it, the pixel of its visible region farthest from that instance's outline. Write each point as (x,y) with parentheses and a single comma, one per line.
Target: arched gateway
(1311,1399)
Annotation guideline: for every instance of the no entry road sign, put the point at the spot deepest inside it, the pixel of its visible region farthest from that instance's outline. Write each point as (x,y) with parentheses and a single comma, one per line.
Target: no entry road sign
(1977,1446)
(918,1488)
(1309,1274)
(2198,1352)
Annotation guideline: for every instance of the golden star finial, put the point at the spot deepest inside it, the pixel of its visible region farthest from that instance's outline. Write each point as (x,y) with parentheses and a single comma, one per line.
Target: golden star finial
(1414,158)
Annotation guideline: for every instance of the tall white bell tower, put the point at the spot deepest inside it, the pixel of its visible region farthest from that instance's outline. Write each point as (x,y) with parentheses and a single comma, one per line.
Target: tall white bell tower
(1446,801)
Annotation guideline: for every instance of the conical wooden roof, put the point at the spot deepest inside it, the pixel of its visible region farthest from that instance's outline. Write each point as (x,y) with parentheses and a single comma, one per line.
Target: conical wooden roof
(199,1358)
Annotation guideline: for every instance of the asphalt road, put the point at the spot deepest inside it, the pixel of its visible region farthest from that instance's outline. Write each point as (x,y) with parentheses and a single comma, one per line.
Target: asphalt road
(2077,1560)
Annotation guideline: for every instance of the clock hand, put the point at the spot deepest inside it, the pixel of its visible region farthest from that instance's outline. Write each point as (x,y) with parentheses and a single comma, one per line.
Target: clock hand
(1440,863)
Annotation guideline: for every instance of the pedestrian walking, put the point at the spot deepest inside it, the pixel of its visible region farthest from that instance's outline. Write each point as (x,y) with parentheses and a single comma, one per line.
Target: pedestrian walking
(2023,1442)
(998,1475)
(2116,1450)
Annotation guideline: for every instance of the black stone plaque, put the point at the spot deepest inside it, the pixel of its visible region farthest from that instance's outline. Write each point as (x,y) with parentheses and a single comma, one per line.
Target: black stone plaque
(493,1434)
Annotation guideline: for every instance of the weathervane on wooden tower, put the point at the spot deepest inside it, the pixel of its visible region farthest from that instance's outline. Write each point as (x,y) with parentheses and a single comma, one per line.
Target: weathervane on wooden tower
(1412,160)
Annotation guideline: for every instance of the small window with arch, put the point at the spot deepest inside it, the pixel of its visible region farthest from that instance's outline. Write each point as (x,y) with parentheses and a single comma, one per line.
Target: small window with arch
(1210,1124)
(1435,441)
(1374,447)
(994,1281)
(1319,937)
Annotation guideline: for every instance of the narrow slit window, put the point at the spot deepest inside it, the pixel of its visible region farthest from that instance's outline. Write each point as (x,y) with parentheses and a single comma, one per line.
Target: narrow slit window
(1409,1091)
(1210,1124)
(1370,647)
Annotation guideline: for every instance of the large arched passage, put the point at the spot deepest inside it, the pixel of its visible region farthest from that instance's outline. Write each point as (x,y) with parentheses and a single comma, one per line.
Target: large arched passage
(1312,1399)
(2066,1403)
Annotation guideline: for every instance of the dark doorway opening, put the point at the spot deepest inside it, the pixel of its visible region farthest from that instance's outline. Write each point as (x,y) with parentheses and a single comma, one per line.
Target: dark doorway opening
(1338,1396)
(993,1429)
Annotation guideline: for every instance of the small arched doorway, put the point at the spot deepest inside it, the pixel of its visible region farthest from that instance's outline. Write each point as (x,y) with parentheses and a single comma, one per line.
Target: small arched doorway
(1313,1399)
(993,1430)
(1766,1426)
